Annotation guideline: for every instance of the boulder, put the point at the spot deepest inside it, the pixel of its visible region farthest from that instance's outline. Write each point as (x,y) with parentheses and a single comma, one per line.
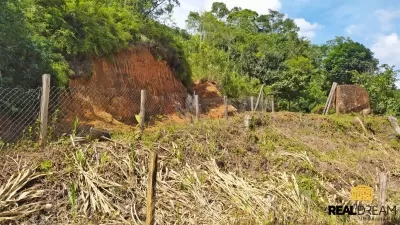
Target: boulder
(351,98)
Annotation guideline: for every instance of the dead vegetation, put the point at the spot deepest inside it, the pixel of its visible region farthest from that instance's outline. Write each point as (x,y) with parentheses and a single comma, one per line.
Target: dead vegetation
(286,169)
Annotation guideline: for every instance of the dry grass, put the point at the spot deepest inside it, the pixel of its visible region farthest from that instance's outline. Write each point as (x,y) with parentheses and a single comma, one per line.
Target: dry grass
(287,169)
(19,199)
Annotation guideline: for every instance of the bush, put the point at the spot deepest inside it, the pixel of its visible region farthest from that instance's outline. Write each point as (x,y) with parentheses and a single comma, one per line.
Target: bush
(319,109)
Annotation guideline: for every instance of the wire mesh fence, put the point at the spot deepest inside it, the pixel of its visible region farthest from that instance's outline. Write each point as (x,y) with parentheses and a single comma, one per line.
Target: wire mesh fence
(19,112)
(78,109)
(75,110)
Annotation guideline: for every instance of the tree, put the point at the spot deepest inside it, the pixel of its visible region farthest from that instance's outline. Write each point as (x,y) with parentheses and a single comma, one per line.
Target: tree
(219,10)
(381,87)
(346,57)
(243,19)
(148,9)
(229,44)
(22,60)
(275,22)
(294,80)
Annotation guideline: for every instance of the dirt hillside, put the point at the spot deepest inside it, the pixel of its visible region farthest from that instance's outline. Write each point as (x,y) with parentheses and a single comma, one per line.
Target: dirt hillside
(211,99)
(112,93)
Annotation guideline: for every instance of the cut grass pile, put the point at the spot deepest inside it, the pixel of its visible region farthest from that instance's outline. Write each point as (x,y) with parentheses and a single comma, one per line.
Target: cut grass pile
(285,170)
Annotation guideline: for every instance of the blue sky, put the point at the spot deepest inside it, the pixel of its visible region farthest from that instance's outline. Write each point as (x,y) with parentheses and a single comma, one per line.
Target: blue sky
(374,23)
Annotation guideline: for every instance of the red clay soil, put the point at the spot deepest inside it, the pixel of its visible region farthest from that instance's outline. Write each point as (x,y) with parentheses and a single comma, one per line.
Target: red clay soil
(112,93)
(211,99)
(212,104)
(207,90)
(110,98)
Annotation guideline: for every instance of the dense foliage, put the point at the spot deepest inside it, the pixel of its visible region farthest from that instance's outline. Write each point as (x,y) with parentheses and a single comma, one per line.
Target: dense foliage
(60,36)
(237,48)
(241,50)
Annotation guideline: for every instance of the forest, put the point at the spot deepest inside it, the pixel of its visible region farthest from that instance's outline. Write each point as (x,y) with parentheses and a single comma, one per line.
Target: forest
(236,48)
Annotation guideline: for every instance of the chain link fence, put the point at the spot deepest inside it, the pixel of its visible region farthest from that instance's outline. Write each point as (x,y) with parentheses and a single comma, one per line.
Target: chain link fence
(76,110)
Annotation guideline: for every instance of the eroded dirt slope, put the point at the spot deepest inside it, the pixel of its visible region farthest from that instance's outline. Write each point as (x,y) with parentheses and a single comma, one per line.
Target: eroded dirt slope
(112,93)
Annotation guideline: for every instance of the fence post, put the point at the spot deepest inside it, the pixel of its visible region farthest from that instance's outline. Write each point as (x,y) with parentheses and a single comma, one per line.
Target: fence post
(226,107)
(151,188)
(272,104)
(252,103)
(44,109)
(262,101)
(196,102)
(330,97)
(382,188)
(142,108)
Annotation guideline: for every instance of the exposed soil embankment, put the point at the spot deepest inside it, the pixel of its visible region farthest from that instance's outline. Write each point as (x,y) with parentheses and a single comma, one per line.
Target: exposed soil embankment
(211,99)
(112,93)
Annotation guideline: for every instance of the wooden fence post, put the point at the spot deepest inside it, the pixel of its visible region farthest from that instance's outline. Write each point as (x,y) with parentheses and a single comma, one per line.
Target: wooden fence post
(226,107)
(395,124)
(272,104)
(252,103)
(382,188)
(44,109)
(258,99)
(142,108)
(196,102)
(262,101)
(151,189)
(330,97)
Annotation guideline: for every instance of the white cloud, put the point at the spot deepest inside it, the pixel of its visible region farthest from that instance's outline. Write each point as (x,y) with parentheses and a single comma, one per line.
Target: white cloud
(386,18)
(353,29)
(307,29)
(260,6)
(181,13)
(387,49)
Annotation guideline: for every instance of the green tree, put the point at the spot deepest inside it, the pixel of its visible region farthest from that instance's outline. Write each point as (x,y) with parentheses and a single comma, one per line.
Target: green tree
(294,80)
(384,97)
(219,9)
(345,57)
(22,60)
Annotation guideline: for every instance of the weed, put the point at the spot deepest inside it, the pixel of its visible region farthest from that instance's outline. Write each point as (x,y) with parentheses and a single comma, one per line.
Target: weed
(75,128)
(81,158)
(52,125)
(103,158)
(72,197)
(46,165)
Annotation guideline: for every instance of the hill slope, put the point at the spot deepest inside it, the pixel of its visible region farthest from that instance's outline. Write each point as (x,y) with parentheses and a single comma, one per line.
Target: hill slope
(287,169)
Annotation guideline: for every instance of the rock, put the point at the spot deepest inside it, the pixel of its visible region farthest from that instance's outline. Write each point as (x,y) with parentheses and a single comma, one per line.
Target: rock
(99,134)
(351,98)
(366,112)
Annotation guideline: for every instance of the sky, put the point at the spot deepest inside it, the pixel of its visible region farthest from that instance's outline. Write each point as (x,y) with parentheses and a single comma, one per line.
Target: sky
(374,23)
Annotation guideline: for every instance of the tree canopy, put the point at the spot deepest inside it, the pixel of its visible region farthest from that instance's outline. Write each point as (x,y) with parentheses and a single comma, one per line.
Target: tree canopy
(347,57)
